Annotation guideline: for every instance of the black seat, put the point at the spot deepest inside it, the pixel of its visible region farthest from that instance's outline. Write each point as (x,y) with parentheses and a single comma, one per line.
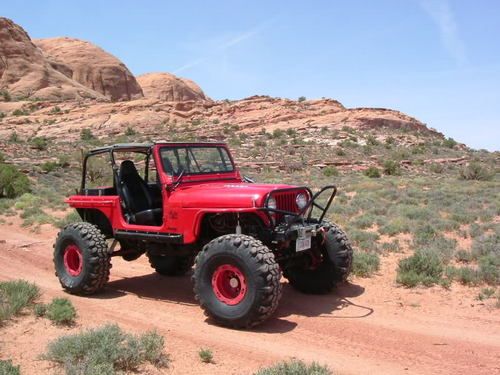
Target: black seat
(137,197)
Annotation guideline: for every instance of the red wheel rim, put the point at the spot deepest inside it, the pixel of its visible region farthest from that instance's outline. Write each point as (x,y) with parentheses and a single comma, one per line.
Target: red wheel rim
(229,284)
(73,260)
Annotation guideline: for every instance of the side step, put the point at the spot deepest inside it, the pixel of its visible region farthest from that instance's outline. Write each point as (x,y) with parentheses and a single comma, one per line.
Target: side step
(173,238)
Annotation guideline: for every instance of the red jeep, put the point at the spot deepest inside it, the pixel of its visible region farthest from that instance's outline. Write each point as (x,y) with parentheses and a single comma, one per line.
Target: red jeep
(190,205)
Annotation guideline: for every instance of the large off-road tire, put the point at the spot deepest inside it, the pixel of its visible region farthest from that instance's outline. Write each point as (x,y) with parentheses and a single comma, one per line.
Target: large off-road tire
(81,258)
(335,266)
(237,281)
(171,265)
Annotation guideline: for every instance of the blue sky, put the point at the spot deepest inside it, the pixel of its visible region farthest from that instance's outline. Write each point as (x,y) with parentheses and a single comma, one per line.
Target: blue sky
(437,60)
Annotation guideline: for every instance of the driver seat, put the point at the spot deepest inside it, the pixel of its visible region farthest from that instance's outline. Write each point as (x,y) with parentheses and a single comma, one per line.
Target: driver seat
(137,197)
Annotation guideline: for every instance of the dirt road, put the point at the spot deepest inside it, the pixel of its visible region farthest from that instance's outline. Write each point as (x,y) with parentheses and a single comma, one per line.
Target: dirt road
(368,326)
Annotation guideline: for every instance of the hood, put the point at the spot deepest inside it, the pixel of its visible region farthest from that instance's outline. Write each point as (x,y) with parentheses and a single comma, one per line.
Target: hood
(223,195)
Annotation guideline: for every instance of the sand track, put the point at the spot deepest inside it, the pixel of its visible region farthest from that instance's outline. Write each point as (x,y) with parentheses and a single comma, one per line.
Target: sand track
(367,326)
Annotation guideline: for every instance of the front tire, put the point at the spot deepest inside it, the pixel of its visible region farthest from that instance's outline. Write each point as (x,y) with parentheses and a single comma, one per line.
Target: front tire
(81,258)
(335,264)
(237,281)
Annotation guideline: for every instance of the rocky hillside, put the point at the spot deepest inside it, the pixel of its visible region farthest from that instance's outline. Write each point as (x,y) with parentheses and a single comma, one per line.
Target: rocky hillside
(57,88)
(166,86)
(91,66)
(26,73)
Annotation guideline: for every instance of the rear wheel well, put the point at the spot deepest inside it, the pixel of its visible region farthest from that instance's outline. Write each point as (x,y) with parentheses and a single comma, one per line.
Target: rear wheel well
(98,218)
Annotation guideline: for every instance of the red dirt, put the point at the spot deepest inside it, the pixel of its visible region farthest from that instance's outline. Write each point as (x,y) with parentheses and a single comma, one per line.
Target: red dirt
(368,326)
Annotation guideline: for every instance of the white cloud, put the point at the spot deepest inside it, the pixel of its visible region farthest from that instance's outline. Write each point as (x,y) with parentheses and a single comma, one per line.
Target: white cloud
(224,46)
(441,13)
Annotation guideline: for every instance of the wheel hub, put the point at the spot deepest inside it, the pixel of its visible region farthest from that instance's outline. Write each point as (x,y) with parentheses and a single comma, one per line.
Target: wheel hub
(229,284)
(73,260)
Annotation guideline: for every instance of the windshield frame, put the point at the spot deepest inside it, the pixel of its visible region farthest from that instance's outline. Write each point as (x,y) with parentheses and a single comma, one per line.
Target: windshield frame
(221,149)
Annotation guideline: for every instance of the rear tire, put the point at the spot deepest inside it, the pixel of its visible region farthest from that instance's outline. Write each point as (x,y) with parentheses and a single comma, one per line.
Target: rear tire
(81,258)
(171,265)
(335,266)
(237,281)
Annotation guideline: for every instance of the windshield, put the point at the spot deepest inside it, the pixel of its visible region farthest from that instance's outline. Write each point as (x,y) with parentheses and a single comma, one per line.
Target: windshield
(195,160)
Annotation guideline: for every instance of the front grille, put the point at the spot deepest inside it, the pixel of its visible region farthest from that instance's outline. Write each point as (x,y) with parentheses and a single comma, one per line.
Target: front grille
(285,202)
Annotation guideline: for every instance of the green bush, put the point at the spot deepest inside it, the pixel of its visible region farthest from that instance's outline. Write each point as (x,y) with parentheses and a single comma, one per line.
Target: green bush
(372,141)
(40,143)
(130,131)
(13,183)
(14,137)
(20,112)
(2,115)
(49,166)
(8,368)
(475,171)
(206,355)
(301,99)
(391,168)
(15,296)
(486,293)
(424,267)
(330,172)
(40,310)
(295,367)
(489,268)
(5,95)
(449,142)
(86,134)
(365,264)
(55,110)
(372,172)
(437,168)
(107,350)
(61,311)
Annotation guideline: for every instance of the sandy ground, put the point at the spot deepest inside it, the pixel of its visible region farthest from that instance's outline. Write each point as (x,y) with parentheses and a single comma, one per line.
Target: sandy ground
(367,326)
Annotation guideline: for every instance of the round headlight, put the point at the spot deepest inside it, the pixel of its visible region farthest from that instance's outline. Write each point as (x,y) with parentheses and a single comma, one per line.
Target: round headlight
(271,203)
(301,200)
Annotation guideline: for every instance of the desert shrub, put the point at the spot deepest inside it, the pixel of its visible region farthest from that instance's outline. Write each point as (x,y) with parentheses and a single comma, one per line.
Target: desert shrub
(5,95)
(278,133)
(86,134)
(49,166)
(16,295)
(391,168)
(340,152)
(13,183)
(301,99)
(475,171)
(8,368)
(423,267)
(437,168)
(489,268)
(260,143)
(330,172)
(130,131)
(61,311)
(106,350)
(464,275)
(14,137)
(449,142)
(395,226)
(463,256)
(372,141)
(206,355)
(295,367)
(39,143)
(72,217)
(55,110)
(372,172)
(486,293)
(486,244)
(20,112)
(2,115)
(392,247)
(40,309)
(363,221)
(365,264)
